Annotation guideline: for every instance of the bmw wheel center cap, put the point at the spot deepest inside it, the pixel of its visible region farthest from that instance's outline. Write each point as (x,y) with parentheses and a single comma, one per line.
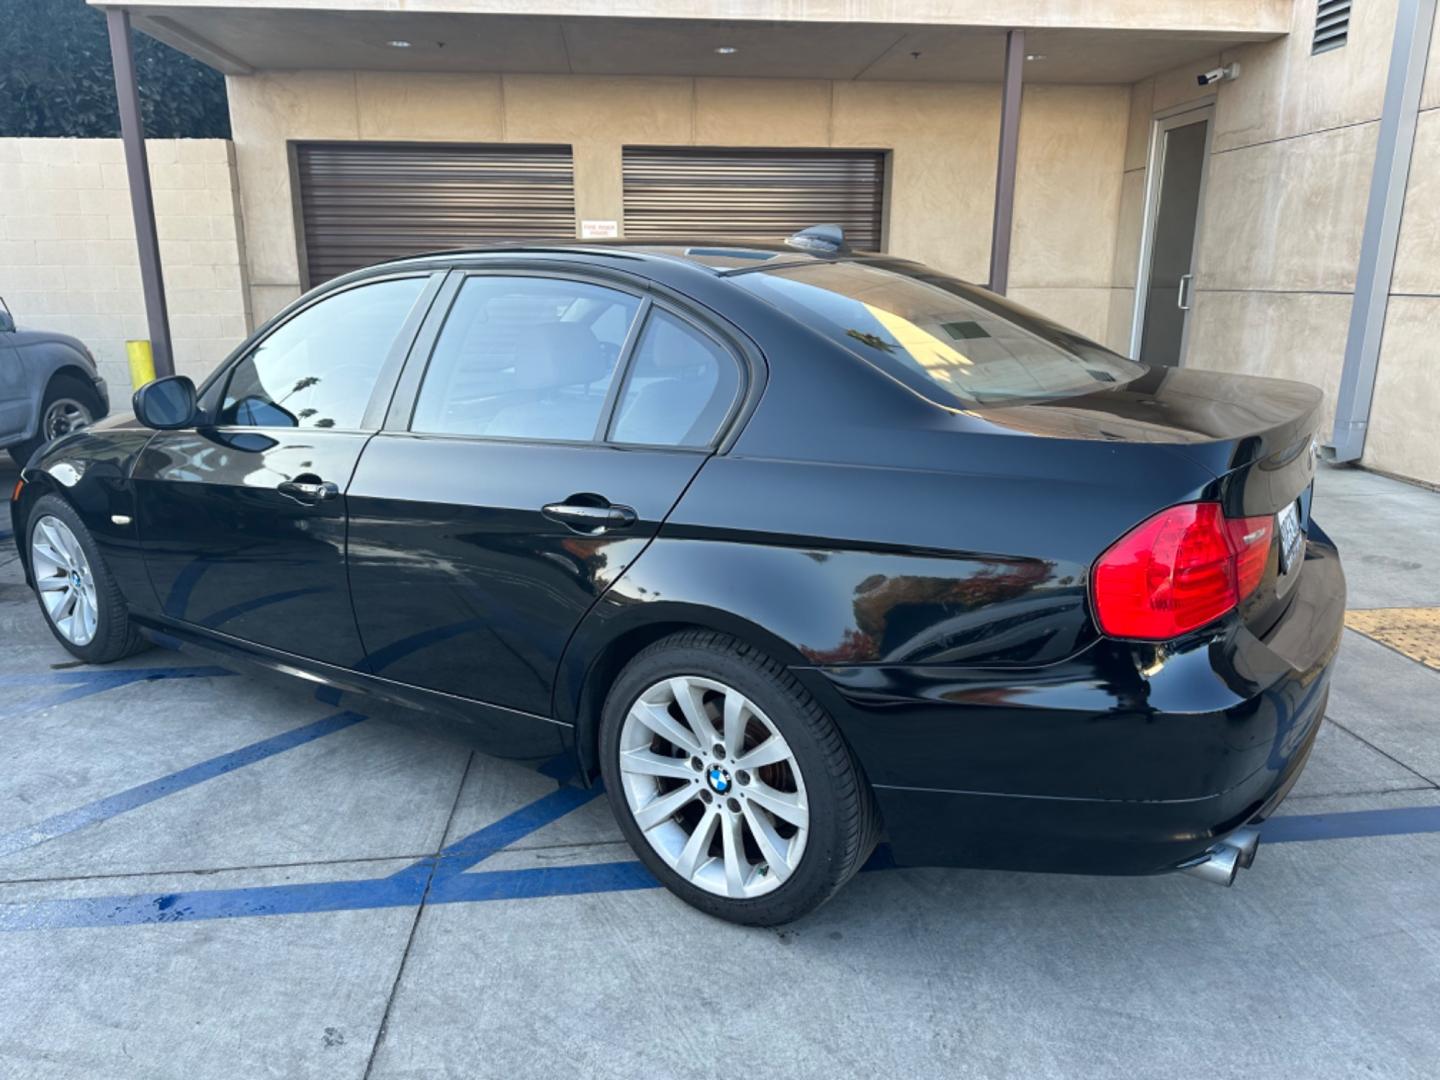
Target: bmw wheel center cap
(719,779)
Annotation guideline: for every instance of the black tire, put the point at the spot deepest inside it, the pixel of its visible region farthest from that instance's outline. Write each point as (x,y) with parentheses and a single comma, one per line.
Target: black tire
(115,635)
(844,821)
(61,386)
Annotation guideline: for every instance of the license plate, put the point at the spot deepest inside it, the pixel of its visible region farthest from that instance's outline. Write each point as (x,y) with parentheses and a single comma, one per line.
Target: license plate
(1291,538)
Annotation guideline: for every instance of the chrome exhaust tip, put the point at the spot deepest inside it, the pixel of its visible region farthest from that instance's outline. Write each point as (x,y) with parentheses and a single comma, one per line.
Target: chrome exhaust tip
(1219,865)
(1245,841)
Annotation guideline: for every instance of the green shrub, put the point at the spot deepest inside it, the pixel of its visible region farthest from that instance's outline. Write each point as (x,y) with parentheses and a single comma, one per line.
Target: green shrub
(56,78)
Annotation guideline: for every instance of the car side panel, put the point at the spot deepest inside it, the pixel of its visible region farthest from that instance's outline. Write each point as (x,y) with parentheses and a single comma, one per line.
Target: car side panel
(461,583)
(91,470)
(16,407)
(41,355)
(838,566)
(228,551)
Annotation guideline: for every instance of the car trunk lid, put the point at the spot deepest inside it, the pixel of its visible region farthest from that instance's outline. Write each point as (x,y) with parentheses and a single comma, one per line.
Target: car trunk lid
(1256,435)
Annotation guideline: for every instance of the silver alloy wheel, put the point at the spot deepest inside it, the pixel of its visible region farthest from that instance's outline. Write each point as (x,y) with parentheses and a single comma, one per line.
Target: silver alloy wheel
(63,578)
(714,787)
(64,416)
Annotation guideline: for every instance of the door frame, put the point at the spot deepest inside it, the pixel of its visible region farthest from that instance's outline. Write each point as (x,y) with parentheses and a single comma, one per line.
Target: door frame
(1164,121)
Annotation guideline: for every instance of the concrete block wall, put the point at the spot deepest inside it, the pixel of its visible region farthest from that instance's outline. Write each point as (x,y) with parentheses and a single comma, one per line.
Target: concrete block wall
(68,259)
(941,139)
(1292,154)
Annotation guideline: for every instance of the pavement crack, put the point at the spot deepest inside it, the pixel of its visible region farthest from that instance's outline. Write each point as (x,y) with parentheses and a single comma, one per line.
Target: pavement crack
(415,922)
(1383,753)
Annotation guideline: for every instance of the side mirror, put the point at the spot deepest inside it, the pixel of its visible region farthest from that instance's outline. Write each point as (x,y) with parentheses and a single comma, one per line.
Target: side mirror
(166,404)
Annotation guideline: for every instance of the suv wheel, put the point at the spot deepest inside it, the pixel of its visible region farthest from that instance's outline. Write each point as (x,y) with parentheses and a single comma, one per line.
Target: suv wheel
(69,405)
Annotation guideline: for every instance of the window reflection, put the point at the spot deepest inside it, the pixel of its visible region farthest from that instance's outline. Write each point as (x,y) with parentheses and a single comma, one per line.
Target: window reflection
(525,357)
(680,388)
(319,368)
(938,334)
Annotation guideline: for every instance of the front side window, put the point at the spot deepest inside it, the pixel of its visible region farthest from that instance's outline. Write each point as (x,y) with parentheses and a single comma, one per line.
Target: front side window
(318,369)
(525,358)
(680,387)
(958,345)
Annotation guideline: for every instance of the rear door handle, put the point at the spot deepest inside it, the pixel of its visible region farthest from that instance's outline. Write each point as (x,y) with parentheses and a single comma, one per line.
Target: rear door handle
(591,516)
(309,490)
(1182,295)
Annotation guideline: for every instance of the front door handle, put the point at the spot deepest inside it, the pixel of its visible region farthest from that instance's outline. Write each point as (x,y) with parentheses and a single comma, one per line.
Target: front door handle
(589,514)
(309,490)
(1182,295)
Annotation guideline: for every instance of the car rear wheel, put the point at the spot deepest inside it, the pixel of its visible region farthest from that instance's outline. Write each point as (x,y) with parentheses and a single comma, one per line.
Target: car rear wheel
(731,783)
(81,602)
(69,405)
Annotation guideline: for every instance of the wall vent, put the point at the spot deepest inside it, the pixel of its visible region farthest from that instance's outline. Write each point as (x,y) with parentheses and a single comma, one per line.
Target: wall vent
(1332,25)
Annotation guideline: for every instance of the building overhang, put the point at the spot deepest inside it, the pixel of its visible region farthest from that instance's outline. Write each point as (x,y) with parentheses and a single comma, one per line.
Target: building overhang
(1100,41)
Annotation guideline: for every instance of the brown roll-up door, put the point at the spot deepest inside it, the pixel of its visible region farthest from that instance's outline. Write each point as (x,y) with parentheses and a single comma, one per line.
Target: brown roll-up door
(734,195)
(363,203)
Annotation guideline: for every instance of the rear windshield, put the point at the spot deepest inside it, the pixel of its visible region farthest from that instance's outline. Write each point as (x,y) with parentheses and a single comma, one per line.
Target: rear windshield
(954,343)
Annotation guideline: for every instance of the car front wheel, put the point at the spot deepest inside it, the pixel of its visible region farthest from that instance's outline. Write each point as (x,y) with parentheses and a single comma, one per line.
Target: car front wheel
(731,783)
(81,602)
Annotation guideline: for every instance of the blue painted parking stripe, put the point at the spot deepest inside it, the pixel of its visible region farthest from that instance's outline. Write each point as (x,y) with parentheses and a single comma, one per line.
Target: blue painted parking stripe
(49,701)
(1352,824)
(538,882)
(206,904)
(308,898)
(81,684)
(111,676)
(103,809)
(481,844)
(408,887)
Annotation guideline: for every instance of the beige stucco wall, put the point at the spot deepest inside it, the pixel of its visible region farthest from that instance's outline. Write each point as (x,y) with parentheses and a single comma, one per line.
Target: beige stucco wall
(942,140)
(1292,153)
(68,260)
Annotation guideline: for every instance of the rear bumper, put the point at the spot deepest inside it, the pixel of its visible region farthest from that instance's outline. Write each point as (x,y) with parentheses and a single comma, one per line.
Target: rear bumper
(1123,760)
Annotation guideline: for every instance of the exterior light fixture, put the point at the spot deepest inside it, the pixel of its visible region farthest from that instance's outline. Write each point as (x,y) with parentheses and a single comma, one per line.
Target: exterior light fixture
(1034,56)
(398,43)
(725,50)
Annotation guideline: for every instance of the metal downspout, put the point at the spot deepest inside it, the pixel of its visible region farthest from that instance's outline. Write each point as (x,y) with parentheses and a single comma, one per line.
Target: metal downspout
(1413,24)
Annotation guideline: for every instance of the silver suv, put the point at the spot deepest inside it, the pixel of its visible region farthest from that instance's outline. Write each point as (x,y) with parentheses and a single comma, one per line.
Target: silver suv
(49,386)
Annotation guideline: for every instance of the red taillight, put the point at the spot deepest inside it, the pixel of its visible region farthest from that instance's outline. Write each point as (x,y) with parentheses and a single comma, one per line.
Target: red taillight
(1250,540)
(1178,570)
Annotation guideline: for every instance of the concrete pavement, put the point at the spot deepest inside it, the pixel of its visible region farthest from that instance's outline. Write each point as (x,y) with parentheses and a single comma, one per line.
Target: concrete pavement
(205,876)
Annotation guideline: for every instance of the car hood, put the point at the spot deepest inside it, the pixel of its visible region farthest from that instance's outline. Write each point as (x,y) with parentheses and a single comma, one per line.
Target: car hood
(25,336)
(119,422)
(1220,420)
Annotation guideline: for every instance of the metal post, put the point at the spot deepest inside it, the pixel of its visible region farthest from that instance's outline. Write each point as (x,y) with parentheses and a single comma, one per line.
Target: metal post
(1005,167)
(142,204)
(1413,23)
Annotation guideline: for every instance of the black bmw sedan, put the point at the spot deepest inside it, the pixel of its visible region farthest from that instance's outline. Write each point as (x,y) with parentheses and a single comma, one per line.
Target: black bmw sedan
(791,549)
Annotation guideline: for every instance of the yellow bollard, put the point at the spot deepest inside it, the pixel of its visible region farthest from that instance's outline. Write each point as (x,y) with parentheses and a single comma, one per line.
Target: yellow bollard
(142,363)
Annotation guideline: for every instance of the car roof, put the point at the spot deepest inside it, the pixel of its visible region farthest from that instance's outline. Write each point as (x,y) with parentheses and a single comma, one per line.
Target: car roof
(721,259)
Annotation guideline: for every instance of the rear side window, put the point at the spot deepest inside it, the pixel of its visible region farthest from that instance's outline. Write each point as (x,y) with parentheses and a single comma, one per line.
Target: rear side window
(681,386)
(525,358)
(954,343)
(319,368)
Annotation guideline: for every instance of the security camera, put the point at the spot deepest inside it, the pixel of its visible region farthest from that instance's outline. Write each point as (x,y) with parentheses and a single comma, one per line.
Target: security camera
(1221,74)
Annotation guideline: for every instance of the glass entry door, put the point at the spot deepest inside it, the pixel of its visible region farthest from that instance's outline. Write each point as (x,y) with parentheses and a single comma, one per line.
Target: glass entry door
(1166,285)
